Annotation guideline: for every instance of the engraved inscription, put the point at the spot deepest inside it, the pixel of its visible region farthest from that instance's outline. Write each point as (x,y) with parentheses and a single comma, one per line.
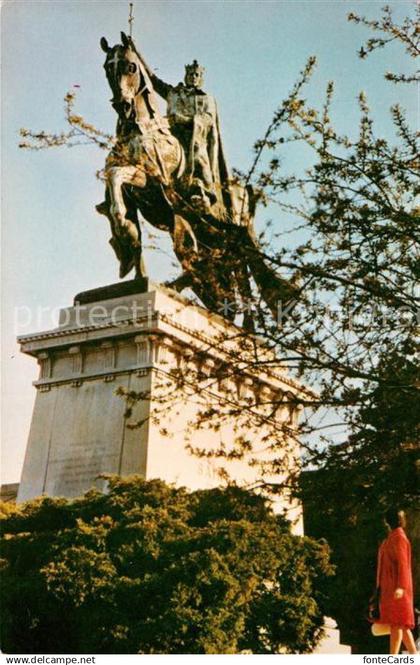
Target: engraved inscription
(83,463)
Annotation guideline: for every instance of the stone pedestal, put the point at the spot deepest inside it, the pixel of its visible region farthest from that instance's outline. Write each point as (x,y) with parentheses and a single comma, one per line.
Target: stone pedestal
(178,360)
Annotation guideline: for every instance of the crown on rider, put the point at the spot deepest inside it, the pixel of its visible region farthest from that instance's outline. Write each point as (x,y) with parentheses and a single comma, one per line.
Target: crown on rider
(194,67)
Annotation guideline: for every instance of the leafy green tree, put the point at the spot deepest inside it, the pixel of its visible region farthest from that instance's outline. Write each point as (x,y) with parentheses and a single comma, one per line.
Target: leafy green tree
(147,568)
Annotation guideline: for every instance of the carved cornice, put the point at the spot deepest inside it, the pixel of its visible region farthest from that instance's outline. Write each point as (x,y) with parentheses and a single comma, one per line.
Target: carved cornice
(108,330)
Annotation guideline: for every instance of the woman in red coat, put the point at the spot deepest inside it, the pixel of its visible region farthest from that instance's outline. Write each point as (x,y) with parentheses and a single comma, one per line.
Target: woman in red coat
(396,584)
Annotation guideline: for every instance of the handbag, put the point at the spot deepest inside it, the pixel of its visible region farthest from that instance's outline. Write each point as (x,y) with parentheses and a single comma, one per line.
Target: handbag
(380,629)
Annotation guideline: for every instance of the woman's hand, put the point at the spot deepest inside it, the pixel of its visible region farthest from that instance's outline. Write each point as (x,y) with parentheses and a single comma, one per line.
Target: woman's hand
(398,593)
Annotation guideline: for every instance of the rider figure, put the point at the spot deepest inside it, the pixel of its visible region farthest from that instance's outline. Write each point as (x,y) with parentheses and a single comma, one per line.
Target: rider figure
(193,118)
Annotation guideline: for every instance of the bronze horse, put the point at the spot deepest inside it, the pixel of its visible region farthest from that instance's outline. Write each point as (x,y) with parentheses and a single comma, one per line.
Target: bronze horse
(218,253)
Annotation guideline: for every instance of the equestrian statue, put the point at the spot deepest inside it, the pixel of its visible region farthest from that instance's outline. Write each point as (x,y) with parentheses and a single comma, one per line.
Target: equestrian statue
(172,170)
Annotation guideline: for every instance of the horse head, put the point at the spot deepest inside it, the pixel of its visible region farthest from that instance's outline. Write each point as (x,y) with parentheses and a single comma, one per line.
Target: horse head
(130,84)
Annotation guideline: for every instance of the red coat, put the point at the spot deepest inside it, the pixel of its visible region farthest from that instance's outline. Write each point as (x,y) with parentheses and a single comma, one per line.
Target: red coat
(394,572)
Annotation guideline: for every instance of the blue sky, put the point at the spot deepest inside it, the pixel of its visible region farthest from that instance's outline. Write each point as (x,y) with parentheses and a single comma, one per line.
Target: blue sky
(54,243)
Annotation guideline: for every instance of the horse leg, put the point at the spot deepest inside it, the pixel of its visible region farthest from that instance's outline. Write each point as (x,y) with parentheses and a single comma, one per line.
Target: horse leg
(136,249)
(186,250)
(139,265)
(117,177)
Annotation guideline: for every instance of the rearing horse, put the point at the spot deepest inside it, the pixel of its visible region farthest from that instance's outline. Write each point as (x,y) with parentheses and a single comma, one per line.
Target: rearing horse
(142,173)
(219,255)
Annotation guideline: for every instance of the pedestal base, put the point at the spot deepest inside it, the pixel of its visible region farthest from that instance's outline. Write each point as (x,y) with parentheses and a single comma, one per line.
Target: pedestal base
(146,344)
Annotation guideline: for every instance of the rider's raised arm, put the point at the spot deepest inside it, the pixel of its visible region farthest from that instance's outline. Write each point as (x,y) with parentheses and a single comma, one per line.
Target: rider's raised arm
(163,89)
